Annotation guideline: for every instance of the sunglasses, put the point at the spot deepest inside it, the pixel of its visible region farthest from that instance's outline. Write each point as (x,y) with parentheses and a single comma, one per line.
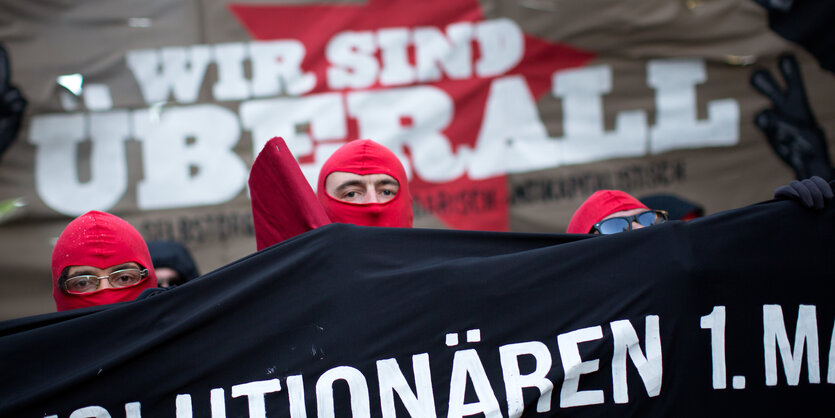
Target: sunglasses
(624,223)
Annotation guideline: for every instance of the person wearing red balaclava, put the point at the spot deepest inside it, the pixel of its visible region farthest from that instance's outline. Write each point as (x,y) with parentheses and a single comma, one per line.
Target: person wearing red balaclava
(364,183)
(613,211)
(93,246)
(284,205)
(620,211)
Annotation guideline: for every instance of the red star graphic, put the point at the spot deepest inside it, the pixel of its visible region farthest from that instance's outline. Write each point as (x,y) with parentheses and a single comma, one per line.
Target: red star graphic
(463,203)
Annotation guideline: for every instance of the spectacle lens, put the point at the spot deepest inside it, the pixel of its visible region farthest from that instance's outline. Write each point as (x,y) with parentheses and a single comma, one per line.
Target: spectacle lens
(117,279)
(650,218)
(624,223)
(613,226)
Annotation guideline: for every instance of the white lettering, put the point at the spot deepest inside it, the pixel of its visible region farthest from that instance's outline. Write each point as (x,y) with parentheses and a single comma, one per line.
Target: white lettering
(354,64)
(396,70)
(183,407)
(90,412)
(58,138)
(467,364)
(774,336)
(357,388)
(585,139)
(175,69)
(502,46)
(434,51)
(217,401)
(277,63)
(676,126)
(169,159)
(295,390)
(574,367)
(323,113)
(514,381)
(512,137)
(649,367)
(715,322)
(380,114)
(133,410)
(392,380)
(231,82)
(255,391)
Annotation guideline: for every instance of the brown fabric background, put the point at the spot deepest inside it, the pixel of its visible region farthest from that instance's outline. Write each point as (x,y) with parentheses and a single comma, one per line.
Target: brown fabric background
(46,39)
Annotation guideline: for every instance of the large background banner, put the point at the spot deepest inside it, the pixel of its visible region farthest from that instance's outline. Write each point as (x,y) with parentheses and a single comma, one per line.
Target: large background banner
(507,114)
(730,314)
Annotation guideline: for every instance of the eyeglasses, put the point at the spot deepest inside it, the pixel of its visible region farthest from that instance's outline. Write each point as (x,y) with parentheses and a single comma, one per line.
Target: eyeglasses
(624,223)
(88,283)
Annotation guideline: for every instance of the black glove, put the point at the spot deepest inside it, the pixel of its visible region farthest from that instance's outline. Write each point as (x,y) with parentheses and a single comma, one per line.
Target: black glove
(12,105)
(790,126)
(812,193)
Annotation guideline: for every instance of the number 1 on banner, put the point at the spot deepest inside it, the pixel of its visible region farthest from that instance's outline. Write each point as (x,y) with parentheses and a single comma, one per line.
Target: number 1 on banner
(715,322)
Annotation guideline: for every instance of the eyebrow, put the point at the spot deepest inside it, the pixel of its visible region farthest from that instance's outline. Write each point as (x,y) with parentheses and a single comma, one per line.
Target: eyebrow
(128,265)
(347,184)
(88,272)
(82,272)
(386,182)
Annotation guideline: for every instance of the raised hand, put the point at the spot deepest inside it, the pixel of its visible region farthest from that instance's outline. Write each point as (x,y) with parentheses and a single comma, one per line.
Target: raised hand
(789,125)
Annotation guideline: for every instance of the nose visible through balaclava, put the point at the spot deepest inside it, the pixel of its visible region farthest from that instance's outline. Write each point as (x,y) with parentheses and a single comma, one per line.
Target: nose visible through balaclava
(364,157)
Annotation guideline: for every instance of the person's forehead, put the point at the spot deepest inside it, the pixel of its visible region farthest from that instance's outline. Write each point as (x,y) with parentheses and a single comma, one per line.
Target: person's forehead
(338,178)
(629,212)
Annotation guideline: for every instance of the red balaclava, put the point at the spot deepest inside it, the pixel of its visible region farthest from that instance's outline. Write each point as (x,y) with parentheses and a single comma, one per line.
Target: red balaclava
(99,240)
(598,206)
(364,157)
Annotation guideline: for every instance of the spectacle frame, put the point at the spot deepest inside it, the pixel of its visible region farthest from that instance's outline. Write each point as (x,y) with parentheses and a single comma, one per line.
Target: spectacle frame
(89,283)
(624,223)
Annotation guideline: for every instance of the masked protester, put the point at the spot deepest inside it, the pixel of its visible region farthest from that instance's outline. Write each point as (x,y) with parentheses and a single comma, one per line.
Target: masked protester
(364,183)
(173,263)
(99,259)
(612,211)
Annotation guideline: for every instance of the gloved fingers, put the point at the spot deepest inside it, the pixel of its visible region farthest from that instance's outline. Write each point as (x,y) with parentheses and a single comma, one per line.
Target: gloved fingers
(825,188)
(768,123)
(803,193)
(784,192)
(765,120)
(791,73)
(814,192)
(763,82)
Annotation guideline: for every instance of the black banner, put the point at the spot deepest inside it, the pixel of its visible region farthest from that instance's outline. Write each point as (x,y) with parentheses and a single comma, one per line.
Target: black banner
(728,314)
